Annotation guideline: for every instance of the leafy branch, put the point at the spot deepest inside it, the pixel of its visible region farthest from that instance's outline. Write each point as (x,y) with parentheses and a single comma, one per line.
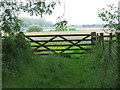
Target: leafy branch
(111,16)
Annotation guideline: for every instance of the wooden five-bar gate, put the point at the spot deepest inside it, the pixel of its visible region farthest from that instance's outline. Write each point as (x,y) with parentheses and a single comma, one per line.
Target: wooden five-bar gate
(72,40)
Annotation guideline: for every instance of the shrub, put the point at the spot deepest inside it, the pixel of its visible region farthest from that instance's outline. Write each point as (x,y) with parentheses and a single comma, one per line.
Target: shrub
(34,28)
(15,50)
(61,29)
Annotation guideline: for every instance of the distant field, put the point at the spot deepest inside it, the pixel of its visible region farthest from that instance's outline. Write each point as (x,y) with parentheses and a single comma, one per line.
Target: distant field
(69,28)
(65,32)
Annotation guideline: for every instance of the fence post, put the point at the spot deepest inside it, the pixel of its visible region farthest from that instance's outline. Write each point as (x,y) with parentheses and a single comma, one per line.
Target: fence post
(110,44)
(118,56)
(97,37)
(93,38)
(101,41)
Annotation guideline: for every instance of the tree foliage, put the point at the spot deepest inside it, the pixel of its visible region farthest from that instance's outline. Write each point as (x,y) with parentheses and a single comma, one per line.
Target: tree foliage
(10,9)
(111,16)
(34,28)
(38,21)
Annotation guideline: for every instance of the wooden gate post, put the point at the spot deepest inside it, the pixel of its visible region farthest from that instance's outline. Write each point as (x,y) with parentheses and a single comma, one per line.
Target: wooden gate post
(93,38)
(97,37)
(118,56)
(110,44)
(101,40)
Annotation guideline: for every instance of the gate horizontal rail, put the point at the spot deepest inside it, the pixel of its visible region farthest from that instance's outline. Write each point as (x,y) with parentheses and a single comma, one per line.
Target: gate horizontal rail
(63,45)
(58,35)
(60,40)
(62,49)
(65,53)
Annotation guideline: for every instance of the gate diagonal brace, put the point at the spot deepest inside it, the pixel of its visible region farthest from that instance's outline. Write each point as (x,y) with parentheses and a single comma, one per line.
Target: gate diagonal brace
(45,42)
(74,44)
(80,46)
(66,39)
(42,45)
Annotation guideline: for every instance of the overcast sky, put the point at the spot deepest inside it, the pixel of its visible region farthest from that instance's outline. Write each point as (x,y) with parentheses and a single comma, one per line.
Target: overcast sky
(79,11)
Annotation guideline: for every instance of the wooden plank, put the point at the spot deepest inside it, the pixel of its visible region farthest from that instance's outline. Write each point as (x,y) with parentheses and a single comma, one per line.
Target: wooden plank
(63,45)
(59,40)
(63,53)
(109,36)
(76,53)
(58,35)
(62,49)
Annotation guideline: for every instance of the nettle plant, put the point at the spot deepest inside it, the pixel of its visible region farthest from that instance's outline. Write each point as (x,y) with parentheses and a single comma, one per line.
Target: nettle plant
(111,15)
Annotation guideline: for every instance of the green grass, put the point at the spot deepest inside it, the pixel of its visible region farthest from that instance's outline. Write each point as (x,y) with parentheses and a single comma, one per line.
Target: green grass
(89,71)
